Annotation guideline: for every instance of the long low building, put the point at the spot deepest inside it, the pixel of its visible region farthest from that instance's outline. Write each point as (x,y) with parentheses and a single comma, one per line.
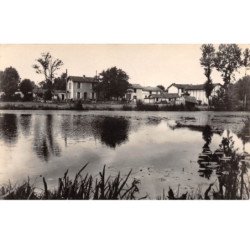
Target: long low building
(197,91)
(137,92)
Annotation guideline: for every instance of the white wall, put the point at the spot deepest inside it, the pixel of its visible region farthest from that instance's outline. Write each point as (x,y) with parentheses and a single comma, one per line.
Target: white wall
(173,90)
(72,87)
(200,95)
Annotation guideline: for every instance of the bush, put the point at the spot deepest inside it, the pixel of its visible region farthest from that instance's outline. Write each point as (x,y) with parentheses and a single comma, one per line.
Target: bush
(127,107)
(140,106)
(78,105)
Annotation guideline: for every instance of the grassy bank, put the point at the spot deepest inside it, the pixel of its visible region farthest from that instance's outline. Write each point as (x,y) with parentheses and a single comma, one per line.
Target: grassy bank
(58,106)
(111,106)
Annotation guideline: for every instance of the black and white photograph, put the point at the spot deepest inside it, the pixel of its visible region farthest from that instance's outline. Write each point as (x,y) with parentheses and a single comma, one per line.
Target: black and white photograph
(124,122)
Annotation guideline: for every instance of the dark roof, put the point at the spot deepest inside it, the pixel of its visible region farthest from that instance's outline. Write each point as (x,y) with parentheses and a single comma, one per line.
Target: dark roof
(163,95)
(136,86)
(148,88)
(83,79)
(191,86)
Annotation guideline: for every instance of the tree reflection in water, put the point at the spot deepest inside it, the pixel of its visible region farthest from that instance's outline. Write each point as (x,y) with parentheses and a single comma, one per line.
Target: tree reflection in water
(8,128)
(44,143)
(112,131)
(206,154)
(244,134)
(230,166)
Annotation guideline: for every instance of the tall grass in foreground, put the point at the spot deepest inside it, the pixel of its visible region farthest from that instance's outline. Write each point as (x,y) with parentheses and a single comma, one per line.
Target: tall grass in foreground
(81,187)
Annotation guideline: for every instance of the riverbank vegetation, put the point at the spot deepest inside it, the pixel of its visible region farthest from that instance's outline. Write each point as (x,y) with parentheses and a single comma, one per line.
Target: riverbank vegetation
(227,60)
(83,187)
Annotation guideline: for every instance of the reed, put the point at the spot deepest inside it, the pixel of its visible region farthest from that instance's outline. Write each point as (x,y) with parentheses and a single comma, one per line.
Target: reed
(81,187)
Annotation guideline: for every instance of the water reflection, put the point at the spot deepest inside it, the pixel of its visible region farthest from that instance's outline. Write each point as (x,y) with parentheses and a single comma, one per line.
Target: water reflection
(244,134)
(112,131)
(45,144)
(40,137)
(206,153)
(25,124)
(8,128)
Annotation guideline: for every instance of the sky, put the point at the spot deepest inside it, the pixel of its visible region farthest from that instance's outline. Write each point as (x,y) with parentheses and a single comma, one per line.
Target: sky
(148,65)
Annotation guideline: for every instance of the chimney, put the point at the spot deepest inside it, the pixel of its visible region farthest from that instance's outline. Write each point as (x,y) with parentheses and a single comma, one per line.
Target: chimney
(83,76)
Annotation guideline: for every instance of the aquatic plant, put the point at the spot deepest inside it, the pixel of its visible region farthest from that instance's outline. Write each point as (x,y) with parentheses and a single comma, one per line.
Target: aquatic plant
(81,187)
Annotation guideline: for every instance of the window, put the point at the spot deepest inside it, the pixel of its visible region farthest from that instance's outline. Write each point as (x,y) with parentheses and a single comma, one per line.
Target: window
(134,90)
(135,97)
(78,95)
(78,85)
(69,85)
(85,95)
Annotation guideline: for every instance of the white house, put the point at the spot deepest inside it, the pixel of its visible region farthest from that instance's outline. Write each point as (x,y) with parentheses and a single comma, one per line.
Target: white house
(81,87)
(197,91)
(138,92)
(162,98)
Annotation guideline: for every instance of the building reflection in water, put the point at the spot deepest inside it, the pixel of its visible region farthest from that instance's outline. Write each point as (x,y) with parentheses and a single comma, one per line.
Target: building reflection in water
(25,124)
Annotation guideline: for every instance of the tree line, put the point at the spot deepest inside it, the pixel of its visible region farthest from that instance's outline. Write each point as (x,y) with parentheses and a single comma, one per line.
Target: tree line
(113,83)
(227,60)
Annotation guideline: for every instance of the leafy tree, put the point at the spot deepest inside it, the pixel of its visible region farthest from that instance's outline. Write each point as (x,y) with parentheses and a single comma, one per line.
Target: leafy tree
(246,60)
(242,90)
(26,87)
(113,83)
(227,61)
(47,66)
(1,77)
(226,99)
(60,82)
(161,87)
(48,95)
(207,61)
(10,80)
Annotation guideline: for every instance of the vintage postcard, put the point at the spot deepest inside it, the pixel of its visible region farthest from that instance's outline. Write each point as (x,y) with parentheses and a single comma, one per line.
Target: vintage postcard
(168,122)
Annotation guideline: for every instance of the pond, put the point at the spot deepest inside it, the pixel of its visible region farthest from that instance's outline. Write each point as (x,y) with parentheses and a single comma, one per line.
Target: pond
(161,148)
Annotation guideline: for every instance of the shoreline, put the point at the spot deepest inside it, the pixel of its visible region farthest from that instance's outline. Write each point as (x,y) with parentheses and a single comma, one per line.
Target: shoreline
(100,107)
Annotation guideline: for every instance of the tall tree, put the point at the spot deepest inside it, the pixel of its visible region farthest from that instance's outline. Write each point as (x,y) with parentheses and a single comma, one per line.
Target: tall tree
(26,87)
(113,83)
(60,82)
(227,61)
(246,60)
(242,90)
(10,80)
(207,61)
(47,66)
(1,77)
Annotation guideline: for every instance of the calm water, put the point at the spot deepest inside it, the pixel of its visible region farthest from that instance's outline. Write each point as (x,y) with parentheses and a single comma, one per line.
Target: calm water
(46,143)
